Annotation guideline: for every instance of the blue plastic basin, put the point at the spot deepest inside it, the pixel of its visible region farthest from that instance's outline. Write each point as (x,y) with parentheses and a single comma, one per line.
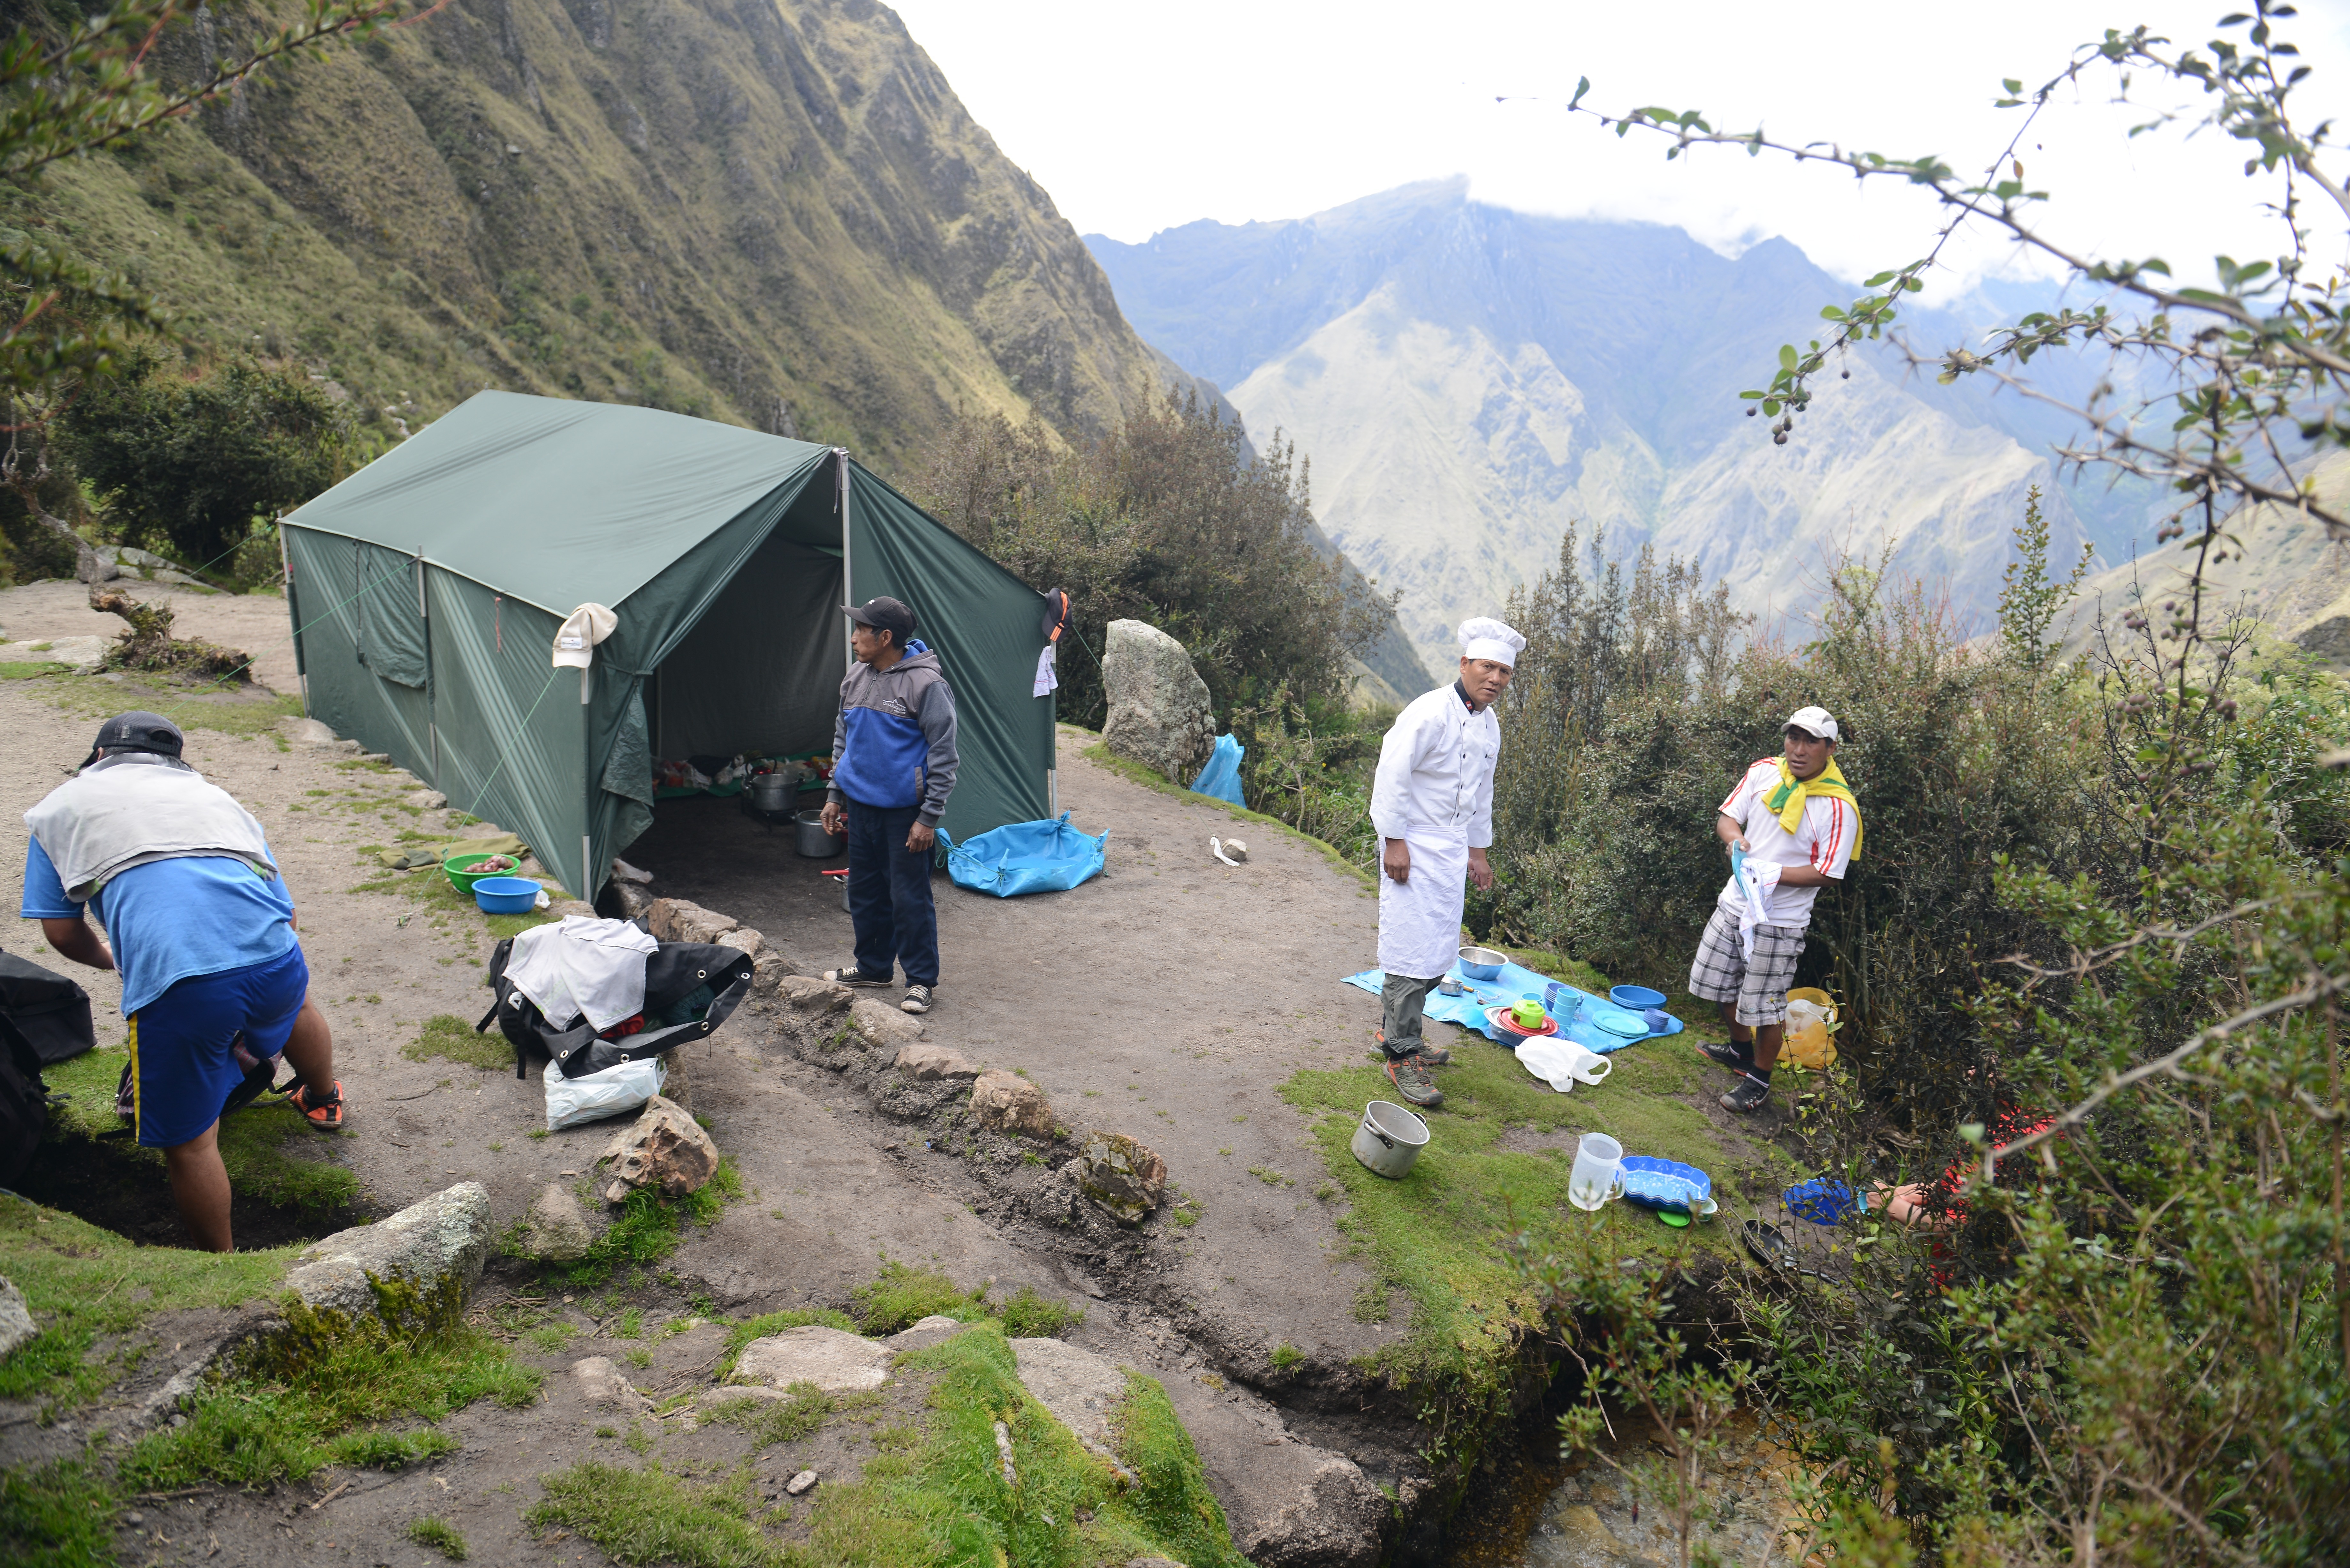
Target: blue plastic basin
(1636,998)
(506,895)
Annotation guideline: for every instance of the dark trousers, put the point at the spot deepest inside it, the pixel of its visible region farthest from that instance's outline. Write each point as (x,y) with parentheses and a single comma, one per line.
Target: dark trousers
(889,895)
(1403,1003)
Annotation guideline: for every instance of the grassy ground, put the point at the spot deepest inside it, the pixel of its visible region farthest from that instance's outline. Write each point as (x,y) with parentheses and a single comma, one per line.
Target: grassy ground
(256,1143)
(232,709)
(936,1495)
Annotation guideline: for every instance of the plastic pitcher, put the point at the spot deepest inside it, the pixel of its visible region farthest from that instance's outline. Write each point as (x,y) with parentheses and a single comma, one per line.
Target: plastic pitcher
(1598,1173)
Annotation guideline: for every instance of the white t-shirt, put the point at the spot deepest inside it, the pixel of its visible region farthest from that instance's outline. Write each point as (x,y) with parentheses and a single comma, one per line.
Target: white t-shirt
(1824,840)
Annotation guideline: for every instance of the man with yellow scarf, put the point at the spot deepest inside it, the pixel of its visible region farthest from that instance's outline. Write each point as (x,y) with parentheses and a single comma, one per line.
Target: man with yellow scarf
(1791,826)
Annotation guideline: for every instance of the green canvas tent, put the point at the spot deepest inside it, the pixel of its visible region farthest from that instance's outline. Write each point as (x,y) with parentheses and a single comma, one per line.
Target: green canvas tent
(426,591)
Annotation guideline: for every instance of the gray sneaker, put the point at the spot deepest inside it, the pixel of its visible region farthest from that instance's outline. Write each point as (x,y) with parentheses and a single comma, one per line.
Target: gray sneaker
(917,999)
(1413,1084)
(852,975)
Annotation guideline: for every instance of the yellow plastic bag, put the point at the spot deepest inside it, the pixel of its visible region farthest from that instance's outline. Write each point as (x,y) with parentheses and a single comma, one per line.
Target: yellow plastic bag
(1811,1027)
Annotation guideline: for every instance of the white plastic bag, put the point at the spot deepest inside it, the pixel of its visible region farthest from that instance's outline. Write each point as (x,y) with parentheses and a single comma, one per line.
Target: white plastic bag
(1563,1064)
(615,1091)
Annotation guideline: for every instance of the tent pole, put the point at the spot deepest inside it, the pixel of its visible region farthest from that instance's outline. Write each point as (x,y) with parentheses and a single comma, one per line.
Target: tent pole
(848,579)
(286,564)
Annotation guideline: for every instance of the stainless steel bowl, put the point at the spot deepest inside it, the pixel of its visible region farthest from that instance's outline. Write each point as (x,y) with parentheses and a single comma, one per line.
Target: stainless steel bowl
(1483,963)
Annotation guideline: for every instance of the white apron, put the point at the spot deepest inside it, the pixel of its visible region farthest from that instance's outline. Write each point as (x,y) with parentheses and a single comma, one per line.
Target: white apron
(1419,920)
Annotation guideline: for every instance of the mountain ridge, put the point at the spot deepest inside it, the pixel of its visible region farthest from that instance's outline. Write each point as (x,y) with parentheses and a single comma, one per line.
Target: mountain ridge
(1506,374)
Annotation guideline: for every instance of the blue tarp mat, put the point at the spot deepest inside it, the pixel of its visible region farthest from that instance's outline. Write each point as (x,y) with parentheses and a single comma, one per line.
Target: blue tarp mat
(1221,776)
(1048,857)
(1514,981)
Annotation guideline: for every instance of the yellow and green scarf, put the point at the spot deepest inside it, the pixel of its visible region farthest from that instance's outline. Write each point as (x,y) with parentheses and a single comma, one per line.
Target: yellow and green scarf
(1789,798)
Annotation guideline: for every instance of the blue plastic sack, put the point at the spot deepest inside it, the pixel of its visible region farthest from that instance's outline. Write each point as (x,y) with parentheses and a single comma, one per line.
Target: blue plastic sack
(1221,776)
(1024,857)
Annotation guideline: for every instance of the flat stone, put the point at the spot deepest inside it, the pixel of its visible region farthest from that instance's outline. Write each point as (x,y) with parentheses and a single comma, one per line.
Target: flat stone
(811,997)
(882,1024)
(768,972)
(665,1148)
(744,940)
(1081,1389)
(443,1238)
(1332,1515)
(835,1361)
(16,1324)
(1120,1174)
(1152,1562)
(426,799)
(801,1482)
(563,908)
(929,1331)
(624,872)
(1010,1105)
(601,1382)
(634,901)
(82,654)
(555,1231)
(375,756)
(927,1061)
(309,732)
(682,921)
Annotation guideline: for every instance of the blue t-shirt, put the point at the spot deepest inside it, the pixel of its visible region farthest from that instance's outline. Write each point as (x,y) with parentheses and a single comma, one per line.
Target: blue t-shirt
(168,920)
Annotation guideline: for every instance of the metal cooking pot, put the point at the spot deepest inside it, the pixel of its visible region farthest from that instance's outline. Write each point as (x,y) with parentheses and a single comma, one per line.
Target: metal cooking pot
(810,839)
(772,792)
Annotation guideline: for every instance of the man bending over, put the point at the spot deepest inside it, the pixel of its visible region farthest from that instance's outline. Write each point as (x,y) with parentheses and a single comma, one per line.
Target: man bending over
(213,982)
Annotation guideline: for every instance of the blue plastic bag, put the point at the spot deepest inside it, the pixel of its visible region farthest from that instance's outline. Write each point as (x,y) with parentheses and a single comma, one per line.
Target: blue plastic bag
(1221,776)
(1024,857)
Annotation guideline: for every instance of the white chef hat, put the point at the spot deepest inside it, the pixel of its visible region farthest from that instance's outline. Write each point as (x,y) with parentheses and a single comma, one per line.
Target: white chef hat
(1483,637)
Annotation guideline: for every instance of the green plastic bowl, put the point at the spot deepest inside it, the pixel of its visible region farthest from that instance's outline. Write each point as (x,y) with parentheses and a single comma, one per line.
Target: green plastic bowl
(459,869)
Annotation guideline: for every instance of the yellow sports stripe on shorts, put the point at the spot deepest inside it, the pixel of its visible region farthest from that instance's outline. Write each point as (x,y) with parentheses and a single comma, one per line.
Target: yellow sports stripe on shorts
(133,1044)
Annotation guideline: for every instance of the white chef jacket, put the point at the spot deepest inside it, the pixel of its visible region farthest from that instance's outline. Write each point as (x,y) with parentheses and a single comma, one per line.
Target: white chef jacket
(1434,790)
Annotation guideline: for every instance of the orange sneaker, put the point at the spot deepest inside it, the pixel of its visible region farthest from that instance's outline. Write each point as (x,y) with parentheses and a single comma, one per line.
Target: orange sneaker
(327,1115)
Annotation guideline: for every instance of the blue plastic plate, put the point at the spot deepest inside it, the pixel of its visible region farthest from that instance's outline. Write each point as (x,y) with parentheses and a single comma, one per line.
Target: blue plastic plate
(1615,1020)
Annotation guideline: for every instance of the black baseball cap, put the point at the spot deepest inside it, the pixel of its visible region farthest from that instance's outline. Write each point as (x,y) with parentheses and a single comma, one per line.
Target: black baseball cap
(137,731)
(883,614)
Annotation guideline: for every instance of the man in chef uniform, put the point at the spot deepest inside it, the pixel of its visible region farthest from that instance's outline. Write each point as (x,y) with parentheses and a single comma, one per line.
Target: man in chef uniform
(1432,803)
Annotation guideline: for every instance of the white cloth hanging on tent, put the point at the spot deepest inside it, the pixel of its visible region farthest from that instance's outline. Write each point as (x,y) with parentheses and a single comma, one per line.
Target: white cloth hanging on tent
(1048,679)
(583,966)
(582,629)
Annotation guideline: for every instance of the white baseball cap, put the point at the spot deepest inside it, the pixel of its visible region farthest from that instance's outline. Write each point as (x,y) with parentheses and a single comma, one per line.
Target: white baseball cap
(1812,722)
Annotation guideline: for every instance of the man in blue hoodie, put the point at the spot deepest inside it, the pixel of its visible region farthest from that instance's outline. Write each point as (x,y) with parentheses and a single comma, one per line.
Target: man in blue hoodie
(893,750)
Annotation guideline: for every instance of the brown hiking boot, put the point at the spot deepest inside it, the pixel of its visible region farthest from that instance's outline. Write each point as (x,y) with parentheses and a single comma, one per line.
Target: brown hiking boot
(1413,1084)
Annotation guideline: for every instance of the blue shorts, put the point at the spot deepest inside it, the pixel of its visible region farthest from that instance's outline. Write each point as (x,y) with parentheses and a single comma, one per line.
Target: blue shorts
(183,1044)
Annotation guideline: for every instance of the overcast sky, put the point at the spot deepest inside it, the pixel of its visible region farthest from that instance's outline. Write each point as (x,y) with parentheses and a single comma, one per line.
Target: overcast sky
(1138,118)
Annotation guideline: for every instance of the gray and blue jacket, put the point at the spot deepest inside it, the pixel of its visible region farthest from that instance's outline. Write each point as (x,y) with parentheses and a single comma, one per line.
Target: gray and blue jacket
(894,743)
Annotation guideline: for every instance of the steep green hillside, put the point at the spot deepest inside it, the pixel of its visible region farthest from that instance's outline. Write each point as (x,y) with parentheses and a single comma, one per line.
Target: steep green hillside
(774,213)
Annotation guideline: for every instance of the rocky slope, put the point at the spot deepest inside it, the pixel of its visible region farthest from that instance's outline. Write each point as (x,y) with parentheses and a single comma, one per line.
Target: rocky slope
(1467,380)
(774,213)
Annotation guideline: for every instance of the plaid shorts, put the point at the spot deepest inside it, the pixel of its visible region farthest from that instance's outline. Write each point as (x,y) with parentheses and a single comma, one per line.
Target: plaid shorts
(1721,972)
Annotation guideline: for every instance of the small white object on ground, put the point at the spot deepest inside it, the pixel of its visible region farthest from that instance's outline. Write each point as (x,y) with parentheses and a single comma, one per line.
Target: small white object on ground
(800,1482)
(1216,849)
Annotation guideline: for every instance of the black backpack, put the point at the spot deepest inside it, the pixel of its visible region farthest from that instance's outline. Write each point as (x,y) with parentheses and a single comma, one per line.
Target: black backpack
(49,1011)
(690,988)
(24,1103)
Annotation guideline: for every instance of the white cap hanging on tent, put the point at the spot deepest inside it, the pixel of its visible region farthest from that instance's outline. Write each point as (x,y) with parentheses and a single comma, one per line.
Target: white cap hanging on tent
(582,629)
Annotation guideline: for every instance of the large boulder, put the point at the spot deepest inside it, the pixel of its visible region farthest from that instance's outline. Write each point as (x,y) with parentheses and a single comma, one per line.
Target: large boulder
(833,1360)
(1010,1105)
(1159,709)
(435,1249)
(665,1149)
(1120,1174)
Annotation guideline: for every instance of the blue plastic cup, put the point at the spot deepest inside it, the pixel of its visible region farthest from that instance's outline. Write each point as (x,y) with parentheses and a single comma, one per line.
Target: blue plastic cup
(1561,999)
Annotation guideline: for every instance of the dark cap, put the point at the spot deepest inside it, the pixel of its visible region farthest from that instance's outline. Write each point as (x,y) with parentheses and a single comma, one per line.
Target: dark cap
(137,732)
(883,614)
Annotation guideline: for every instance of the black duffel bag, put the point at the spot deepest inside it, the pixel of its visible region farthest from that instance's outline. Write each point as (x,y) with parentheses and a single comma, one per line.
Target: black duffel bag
(690,988)
(49,1011)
